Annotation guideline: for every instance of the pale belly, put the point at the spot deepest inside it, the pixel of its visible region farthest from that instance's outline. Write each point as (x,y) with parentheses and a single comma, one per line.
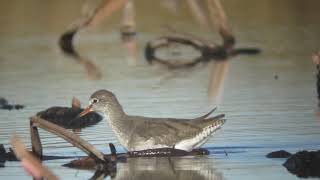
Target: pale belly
(149,144)
(185,144)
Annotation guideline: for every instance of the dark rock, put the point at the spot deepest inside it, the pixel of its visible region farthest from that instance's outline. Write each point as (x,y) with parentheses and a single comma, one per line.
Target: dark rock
(2,149)
(6,156)
(3,102)
(18,106)
(5,105)
(279,154)
(304,164)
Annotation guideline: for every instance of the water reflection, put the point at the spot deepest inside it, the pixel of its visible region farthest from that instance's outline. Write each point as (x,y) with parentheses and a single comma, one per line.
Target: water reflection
(218,74)
(90,18)
(197,10)
(172,5)
(200,168)
(128,32)
(261,111)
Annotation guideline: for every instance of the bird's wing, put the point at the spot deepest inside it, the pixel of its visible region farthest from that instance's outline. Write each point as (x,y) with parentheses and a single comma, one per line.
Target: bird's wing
(163,130)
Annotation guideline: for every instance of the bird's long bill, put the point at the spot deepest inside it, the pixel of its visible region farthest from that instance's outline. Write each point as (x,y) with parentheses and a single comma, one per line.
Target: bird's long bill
(85,111)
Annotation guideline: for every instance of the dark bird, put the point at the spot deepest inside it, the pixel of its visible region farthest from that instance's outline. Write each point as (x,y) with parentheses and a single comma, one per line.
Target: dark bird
(68,117)
(137,133)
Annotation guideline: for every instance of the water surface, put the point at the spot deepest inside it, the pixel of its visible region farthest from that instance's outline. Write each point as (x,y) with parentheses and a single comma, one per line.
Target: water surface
(263,113)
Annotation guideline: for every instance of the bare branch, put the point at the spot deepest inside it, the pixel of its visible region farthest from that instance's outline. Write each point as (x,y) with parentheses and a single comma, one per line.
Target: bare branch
(68,136)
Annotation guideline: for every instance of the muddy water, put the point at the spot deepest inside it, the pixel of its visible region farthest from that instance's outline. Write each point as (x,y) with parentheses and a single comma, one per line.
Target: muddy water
(263,113)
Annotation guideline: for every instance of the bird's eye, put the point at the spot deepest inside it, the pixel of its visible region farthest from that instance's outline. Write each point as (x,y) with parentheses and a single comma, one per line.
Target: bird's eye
(93,101)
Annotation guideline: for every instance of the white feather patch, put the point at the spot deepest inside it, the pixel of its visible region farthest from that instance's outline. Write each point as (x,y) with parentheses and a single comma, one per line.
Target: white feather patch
(198,140)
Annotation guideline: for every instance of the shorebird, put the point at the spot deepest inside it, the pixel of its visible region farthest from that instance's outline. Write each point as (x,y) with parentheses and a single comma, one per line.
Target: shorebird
(137,133)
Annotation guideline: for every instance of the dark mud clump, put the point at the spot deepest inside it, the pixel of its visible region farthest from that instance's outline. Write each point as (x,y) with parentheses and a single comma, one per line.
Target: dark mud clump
(68,117)
(279,154)
(6,156)
(304,164)
(6,106)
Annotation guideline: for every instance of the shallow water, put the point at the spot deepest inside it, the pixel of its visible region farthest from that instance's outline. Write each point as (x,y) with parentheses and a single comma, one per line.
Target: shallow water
(263,113)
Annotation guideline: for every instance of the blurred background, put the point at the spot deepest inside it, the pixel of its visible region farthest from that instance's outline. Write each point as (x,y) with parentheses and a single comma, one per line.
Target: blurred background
(270,99)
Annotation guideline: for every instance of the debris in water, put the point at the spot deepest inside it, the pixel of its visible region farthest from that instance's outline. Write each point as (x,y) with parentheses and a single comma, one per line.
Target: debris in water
(279,154)
(68,117)
(5,105)
(304,164)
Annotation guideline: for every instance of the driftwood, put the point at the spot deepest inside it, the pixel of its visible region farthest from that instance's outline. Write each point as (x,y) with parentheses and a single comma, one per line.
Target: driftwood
(34,167)
(29,162)
(72,138)
(104,164)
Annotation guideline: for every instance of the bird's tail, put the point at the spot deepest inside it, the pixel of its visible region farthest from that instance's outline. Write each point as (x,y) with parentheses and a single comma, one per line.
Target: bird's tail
(206,121)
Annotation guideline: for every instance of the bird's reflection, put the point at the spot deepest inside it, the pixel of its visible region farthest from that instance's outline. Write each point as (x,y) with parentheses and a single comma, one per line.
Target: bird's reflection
(200,168)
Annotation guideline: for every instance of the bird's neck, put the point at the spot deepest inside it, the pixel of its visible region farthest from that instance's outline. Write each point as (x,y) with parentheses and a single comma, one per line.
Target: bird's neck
(116,116)
(119,122)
